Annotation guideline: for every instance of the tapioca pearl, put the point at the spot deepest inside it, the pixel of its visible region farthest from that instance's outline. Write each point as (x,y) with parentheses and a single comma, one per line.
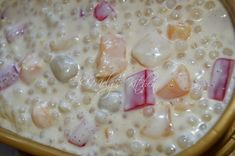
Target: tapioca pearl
(28,100)
(157,21)
(62,17)
(160,1)
(217,44)
(170,4)
(184,141)
(180,46)
(22,109)
(86,99)
(85,49)
(101,117)
(202,127)
(60,140)
(228,52)
(143,21)
(9,57)
(127,15)
(80,116)
(196,93)
(149,2)
(179,7)
(14,4)
(192,120)
(70,95)
(206,117)
(67,132)
(104,27)
(86,39)
(42,134)
(148,12)
(51,81)
(175,15)
(194,45)
(29,45)
(218,108)
(199,2)
(92,110)
(75,103)
(52,104)
(209,5)
(136,146)
(18,91)
(168,64)
(55,115)
(47,58)
(94,33)
(205,40)
(31,136)
(39,35)
(190,22)
(95,46)
(203,104)
(41,85)
(181,55)
(159,148)
(199,54)
(207,65)
(124,115)
(22,119)
(1,62)
(73,83)
(17,59)
(138,13)
(67,121)
(113,19)
(51,141)
(111,153)
(136,125)
(213,54)
(30,91)
(59,34)
(196,14)
(163,10)
(60,129)
(148,148)
(170,149)
(91,6)
(46,74)
(181,128)
(126,26)
(148,111)
(189,7)
(130,132)
(64,107)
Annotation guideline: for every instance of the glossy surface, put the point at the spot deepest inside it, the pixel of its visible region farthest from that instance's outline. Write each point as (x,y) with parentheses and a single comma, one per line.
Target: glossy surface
(136,144)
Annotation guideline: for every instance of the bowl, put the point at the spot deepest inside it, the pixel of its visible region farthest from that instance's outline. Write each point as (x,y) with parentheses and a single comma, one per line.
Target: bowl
(217,132)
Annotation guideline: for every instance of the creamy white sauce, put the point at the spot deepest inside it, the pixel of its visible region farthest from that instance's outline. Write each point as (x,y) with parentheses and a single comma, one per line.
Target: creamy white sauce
(68,102)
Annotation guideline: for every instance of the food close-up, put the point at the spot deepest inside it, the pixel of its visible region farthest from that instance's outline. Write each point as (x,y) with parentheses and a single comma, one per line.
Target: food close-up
(115,77)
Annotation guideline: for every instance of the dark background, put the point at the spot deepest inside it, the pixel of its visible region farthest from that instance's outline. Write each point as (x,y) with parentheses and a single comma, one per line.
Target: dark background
(10,151)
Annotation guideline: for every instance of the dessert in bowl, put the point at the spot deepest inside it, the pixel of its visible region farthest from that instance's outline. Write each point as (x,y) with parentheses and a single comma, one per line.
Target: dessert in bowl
(115,77)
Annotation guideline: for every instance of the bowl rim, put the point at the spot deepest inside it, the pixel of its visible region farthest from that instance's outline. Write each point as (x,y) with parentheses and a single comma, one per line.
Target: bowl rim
(214,134)
(228,116)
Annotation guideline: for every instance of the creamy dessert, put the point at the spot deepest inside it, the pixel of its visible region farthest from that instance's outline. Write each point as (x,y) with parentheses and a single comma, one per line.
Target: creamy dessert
(115,77)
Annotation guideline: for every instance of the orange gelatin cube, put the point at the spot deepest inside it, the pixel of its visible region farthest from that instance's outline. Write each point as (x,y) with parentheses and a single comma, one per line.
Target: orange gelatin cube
(111,60)
(178,86)
(179,31)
